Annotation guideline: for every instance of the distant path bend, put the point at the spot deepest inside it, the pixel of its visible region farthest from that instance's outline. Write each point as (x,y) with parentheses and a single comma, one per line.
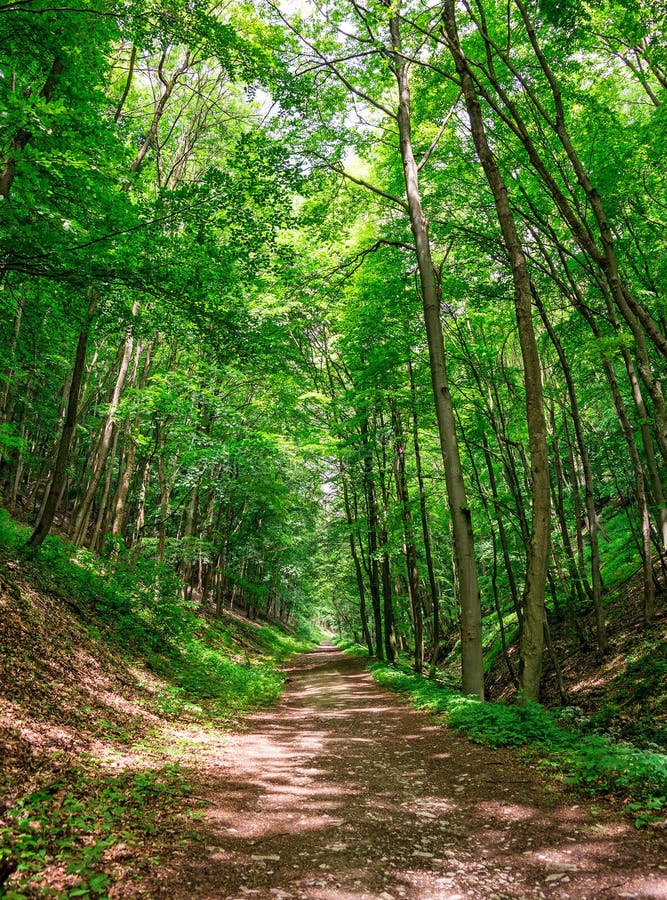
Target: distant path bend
(342,792)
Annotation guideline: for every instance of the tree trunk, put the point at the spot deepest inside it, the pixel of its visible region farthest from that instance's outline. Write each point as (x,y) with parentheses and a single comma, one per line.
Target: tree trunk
(119,522)
(532,636)
(351,524)
(82,517)
(591,513)
(374,569)
(426,534)
(410,552)
(59,476)
(471,629)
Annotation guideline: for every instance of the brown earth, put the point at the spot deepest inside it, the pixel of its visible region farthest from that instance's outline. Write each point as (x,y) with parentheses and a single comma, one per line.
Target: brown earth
(625,691)
(342,792)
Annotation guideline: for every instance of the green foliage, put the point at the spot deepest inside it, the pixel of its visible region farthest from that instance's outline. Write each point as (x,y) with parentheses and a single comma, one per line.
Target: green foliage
(279,645)
(620,557)
(76,822)
(141,612)
(589,762)
(637,697)
(351,648)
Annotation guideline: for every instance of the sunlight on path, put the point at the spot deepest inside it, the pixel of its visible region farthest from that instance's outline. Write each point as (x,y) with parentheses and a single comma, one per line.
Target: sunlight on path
(343,792)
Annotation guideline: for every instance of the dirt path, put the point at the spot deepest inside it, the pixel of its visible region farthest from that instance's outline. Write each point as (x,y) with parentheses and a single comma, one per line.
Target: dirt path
(342,791)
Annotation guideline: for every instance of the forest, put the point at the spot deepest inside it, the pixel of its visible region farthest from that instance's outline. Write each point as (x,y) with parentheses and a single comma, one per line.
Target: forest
(342,317)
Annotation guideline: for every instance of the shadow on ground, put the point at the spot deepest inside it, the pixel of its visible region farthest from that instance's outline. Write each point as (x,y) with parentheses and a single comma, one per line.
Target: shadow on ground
(342,791)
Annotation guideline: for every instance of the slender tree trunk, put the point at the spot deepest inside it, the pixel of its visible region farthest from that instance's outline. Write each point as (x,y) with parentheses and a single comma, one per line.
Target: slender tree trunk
(59,476)
(385,563)
(119,521)
(622,415)
(372,511)
(494,562)
(102,512)
(82,517)
(502,533)
(426,534)
(562,692)
(128,84)
(471,627)
(591,513)
(7,375)
(577,575)
(409,549)
(649,453)
(351,524)
(387,602)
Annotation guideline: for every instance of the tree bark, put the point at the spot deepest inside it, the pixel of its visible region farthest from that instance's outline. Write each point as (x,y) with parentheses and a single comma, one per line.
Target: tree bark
(59,476)
(409,549)
(589,495)
(351,524)
(471,630)
(372,512)
(82,517)
(532,636)
(426,534)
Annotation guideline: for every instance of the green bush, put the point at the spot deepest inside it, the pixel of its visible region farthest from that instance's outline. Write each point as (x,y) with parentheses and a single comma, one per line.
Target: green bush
(351,648)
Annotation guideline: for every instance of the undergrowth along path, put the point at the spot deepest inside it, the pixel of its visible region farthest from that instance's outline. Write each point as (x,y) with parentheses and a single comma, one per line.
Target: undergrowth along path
(342,791)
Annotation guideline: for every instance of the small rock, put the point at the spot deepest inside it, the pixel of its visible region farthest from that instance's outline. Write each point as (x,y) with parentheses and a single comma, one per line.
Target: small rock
(560,867)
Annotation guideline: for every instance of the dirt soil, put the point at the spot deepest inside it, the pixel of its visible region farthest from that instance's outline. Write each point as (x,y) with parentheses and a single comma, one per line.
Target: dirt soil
(342,791)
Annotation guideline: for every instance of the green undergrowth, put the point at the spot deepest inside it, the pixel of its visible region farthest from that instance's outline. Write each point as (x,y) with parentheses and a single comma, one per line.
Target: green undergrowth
(589,762)
(280,645)
(635,702)
(74,833)
(351,648)
(81,828)
(217,669)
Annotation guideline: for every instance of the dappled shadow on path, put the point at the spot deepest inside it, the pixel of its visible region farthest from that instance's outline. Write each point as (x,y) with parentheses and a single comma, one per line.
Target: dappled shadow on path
(342,791)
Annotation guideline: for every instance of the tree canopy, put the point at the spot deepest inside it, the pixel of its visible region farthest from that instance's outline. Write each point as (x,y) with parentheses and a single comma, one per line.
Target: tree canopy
(349,312)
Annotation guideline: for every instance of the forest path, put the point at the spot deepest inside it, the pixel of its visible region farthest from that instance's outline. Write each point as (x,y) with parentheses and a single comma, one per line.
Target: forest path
(342,791)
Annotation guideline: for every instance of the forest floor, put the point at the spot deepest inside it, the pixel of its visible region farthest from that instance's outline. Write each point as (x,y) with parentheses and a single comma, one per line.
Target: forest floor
(343,791)
(117,782)
(623,693)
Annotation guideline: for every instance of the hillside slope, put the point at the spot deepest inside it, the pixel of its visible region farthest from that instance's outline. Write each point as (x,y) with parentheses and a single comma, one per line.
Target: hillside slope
(107,687)
(624,692)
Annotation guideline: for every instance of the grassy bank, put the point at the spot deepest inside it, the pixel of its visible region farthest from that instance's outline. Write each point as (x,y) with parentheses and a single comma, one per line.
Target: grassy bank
(110,684)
